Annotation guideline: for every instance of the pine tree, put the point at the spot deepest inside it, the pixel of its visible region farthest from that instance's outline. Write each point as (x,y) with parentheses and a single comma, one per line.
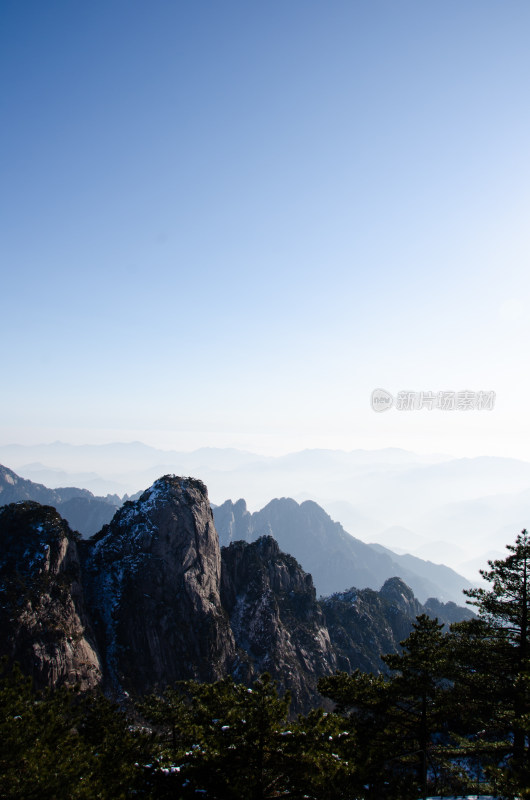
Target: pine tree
(505,606)
(479,670)
(41,751)
(365,703)
(507,603)
(316,758)
(224,738)
(394,719)
(419,687)
(115,751)
(61,745)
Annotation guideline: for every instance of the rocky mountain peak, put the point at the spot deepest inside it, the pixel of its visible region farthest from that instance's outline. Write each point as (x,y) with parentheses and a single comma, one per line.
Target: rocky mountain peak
(43,620)
(42,547)
(154,568)
(277,623)
(152,599)
(335,559)
(397,592)
(135,527)
(235,522)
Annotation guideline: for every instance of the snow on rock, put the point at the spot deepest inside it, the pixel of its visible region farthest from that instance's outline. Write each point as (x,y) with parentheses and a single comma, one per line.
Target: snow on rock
(43,620)
(277,623)
(152,571)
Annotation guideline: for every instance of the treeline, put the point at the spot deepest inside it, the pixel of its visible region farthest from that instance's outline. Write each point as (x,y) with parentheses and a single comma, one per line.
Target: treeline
(451,718)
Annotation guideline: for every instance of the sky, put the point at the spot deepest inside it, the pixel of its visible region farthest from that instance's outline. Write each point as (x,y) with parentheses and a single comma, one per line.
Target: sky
(226,224)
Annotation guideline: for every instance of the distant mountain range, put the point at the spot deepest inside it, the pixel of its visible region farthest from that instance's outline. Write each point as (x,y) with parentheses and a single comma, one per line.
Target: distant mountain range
(84,512)
(335,559)
(459,511)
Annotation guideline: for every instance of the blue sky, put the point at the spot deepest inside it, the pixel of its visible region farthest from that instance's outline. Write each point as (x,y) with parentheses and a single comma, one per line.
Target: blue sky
(226,223)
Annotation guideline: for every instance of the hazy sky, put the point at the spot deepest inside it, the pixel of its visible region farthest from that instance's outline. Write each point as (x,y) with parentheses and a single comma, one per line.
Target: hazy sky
(225,223)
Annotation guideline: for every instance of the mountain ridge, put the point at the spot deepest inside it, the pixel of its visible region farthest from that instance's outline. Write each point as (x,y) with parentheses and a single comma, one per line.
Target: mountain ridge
(335,559)
(84,511)
(153,598)
(368,491)
(87,513)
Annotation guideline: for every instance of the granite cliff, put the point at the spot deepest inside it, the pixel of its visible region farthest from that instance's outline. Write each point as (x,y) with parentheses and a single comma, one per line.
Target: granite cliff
(277,623)
(44,623)
(335,559)
(152,598)
(152,581)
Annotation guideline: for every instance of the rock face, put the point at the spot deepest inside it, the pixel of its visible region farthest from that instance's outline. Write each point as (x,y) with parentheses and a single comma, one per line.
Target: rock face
(43,620)
(278,625)
(364,624)
(153,584)
(152,599)
(447,612)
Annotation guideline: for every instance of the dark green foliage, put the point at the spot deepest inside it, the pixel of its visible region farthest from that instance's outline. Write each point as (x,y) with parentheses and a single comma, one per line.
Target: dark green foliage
(240,750)
(364,701)
(230,741)
(61,745)
(479,661)
(505,607)
(224,737)
(452,717)
(316,746)
(508,599)
(394,719)
(418,688)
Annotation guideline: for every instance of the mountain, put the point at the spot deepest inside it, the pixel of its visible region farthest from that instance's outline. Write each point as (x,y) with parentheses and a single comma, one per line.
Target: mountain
(438,580)
(44,623)
(364,624)
(466,504)
(153,583)
(277,623)
(79,507)
(152,598)
(335,559)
